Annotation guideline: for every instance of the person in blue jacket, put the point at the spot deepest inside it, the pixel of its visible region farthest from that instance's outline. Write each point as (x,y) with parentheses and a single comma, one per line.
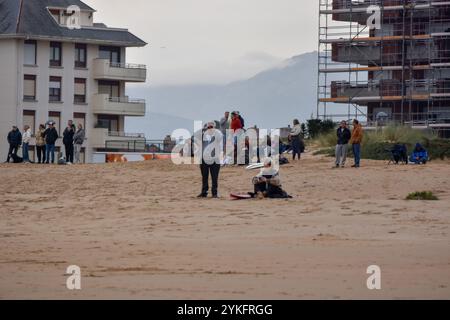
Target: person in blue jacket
(419,155)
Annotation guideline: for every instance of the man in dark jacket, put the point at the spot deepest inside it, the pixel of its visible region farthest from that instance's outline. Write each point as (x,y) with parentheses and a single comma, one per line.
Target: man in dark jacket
(210,162)
(14,140)
(343,137)
(51,135)
(68,141)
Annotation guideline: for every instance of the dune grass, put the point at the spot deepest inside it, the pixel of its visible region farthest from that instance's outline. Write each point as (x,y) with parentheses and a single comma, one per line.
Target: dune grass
(377,143)
(423,195)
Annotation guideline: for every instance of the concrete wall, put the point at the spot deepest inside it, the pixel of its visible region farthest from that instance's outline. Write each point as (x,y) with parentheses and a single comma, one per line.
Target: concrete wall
(8,92)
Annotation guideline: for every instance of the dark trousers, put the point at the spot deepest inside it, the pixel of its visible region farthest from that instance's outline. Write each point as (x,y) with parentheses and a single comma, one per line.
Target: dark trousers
(13,148)
(296,150)
(40,150)
(69,152)
(206,169)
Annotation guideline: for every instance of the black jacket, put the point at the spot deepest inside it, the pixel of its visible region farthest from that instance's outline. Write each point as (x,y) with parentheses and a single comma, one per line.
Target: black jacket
(15,138)
(68,135)
(51,135)
(343,136)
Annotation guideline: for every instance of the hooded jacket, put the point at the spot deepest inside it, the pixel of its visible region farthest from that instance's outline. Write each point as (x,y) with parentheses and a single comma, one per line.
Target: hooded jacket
(15,137)
(51,135)
(343,135)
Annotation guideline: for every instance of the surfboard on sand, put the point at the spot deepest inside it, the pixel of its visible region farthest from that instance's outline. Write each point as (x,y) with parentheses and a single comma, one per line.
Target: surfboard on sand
(240,196)
(255,166)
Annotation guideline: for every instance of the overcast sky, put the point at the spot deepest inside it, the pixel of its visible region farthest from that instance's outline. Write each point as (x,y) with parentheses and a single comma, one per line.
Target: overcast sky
(212,41)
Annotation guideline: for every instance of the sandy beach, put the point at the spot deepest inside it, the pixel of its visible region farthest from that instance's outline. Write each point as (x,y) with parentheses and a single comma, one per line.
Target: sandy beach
(137,231)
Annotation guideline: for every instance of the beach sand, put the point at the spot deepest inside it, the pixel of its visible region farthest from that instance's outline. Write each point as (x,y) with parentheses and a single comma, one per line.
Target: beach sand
(137,231)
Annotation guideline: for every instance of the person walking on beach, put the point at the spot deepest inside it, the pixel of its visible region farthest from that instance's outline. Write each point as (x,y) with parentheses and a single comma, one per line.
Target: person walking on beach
(40,144)
(343,137)
(210,163)
(68,141)
(26,144)
(51,135)
(356,139)
(14,140)
(295,139)
(78,140)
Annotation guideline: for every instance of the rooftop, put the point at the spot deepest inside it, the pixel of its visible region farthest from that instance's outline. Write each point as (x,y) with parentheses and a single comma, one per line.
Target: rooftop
(31,19)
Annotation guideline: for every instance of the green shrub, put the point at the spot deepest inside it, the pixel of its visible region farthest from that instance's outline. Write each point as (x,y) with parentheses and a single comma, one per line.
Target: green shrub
(377,143)
(423,195)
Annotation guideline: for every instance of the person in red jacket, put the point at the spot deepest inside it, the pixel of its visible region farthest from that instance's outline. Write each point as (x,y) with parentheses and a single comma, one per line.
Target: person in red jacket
(236,123)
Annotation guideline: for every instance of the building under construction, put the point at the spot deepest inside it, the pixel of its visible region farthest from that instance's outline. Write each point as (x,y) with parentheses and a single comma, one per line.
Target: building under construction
(385,61)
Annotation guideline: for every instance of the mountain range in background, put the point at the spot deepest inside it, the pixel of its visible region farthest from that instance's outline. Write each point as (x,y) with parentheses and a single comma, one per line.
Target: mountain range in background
(271,99)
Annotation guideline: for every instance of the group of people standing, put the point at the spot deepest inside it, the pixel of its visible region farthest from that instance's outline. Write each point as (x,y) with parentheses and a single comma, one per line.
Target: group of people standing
(46,138)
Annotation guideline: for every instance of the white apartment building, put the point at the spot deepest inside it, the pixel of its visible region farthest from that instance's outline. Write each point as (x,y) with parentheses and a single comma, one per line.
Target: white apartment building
(50,71)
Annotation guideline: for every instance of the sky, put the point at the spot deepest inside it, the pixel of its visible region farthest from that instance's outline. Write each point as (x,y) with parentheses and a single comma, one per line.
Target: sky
(212,41)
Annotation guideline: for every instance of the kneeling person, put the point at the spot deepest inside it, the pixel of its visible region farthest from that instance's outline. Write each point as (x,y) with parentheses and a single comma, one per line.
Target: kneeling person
(268,183)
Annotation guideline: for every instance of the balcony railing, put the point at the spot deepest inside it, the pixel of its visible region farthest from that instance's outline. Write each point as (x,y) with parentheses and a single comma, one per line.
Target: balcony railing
(126,99)
(385,88)
(104,69)
(127,65)
(104,104)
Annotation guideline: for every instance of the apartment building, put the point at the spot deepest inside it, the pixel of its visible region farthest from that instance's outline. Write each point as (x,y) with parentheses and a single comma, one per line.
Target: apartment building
(57,64)
(387,60)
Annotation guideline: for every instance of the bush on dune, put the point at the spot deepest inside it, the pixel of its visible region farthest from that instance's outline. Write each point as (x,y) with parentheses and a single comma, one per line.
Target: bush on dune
(377,143)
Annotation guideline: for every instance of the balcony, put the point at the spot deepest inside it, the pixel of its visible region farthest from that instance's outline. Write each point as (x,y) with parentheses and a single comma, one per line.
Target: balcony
(101,138)
(122,106)
(388,89)
(105,70)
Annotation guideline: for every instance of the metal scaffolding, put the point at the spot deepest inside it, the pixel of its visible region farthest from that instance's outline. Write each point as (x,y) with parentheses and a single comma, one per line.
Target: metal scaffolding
(385,59)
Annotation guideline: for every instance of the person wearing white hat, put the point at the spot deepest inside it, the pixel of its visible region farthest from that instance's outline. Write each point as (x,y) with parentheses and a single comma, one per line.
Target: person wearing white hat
(267,183)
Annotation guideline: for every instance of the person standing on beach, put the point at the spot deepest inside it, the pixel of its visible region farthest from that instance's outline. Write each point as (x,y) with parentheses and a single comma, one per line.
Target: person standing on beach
(40,144)
(26,144)
(356,139)
(14,140)
(210,162)
(78,140)
(51,135)
(241,119)
(343,137)
(224,126)
(68,141)
(295,139)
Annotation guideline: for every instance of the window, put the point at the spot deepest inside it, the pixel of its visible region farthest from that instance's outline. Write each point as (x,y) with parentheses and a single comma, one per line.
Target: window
(55,14)
(80,55)
(55,89)
(55,117)
(109,122)
(79,118)
(55,54)
(29,87)
(112,88)
(110,53)
(80,91)
(29,119)
(29,57)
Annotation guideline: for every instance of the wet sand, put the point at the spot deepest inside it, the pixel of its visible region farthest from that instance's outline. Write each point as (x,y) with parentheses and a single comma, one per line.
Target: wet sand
(138,232)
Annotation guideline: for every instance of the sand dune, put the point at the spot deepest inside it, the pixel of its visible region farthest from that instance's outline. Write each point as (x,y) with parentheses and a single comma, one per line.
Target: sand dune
(137,231)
